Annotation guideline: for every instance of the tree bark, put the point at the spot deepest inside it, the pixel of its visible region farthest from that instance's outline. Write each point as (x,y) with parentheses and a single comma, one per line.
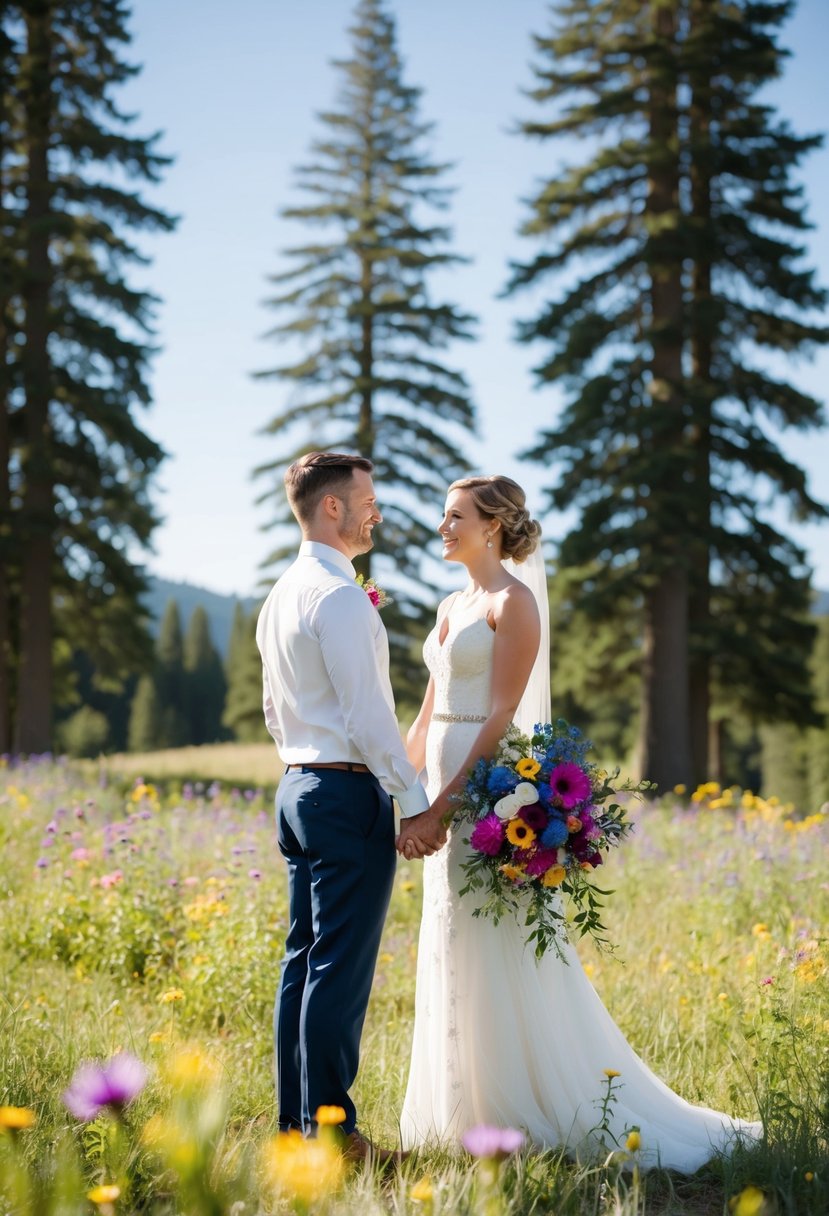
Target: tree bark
(701,364)
(6,272)
(34,702)
(665,741)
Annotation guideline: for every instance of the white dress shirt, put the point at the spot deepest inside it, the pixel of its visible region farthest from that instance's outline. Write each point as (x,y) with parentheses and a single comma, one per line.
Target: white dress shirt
(325,673)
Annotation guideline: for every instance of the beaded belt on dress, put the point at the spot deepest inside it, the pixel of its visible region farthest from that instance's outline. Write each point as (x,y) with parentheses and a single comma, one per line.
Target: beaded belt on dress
(458,718)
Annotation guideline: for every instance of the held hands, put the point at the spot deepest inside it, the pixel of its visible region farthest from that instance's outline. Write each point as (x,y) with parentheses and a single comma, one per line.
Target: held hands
(422,835)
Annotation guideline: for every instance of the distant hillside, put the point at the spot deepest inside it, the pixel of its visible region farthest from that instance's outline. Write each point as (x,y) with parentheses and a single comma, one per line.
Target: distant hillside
(219,608)
(821,603)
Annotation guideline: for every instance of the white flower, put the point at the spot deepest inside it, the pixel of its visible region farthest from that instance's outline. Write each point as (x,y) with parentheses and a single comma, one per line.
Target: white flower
(526,793)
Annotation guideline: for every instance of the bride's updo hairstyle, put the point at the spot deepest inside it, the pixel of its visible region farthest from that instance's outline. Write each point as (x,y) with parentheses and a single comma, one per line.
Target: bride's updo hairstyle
(501,498)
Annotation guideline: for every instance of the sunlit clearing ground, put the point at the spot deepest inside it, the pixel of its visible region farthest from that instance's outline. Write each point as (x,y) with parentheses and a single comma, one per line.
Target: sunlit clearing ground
(150,918)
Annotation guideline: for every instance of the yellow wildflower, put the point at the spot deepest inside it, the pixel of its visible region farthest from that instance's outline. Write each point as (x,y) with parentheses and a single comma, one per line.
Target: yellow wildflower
(528,768)
(760,930)
(809,1176)
(407,886)
(750,1202)
(171,996)
(634,1141)
(106,1193)
(421,1192)
(16,1118)
(680,789)
(554,877)
(190,1069)
(513,873)
(330,1116)
(307,1170)
(610,1073)
(520,833)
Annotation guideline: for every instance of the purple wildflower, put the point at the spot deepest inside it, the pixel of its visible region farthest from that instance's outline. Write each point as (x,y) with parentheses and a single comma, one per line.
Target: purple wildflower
(96,1087)
(254,873)
(488,835)
(486,1141)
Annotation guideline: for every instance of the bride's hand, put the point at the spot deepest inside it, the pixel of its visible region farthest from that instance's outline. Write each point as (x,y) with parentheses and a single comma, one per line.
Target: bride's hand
(421,835)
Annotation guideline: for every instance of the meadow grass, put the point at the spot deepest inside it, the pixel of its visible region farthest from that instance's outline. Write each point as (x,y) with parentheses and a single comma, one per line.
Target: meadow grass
(151,917)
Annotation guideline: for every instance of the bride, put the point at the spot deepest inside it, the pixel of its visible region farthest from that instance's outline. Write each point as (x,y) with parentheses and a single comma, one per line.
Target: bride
(501,1037)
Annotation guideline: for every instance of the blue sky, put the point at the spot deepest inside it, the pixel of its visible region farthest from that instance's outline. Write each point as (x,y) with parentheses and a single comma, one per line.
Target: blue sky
(236,89)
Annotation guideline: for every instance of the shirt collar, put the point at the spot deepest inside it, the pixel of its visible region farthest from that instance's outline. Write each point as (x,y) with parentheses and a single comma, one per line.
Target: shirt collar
(326,553)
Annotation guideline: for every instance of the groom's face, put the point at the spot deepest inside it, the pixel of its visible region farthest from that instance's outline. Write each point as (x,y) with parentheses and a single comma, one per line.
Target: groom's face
(359,514)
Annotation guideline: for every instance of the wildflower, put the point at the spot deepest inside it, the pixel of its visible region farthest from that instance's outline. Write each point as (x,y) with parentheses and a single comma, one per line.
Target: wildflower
(330,1116)
(16,1118)
(528,768)
(111,880)
(486,1141)
(488,835)
(106,1193)
(634,1141)
(750,1202)
(501,780)
(610,1073)
(809,1176)
(378,597)
(679,789)
(520,833)
(421,1192)
(408,885)
(554,877)
(534,816)
(254,873)
(191,1069)
(570,784)
(171,996)
(113,1085)
(574,824)
(511,872)
(306,1170)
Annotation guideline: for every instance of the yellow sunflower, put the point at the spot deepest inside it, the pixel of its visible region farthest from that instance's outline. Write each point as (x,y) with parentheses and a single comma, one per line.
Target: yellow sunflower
(520,833)
(528,768)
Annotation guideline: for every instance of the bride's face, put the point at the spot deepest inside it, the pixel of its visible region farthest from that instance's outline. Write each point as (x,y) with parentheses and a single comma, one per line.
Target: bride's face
(463,529)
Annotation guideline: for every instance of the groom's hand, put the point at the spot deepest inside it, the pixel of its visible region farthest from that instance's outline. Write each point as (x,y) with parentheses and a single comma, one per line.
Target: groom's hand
(421,835)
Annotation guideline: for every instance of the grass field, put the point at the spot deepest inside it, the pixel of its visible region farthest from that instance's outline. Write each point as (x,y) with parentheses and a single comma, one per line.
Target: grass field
(151,919)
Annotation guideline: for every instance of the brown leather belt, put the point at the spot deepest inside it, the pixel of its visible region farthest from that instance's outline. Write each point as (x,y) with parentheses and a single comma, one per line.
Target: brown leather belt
(343,766)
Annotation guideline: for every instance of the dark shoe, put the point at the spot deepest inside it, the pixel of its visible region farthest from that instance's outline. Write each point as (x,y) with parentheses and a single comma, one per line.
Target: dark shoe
(358,1148)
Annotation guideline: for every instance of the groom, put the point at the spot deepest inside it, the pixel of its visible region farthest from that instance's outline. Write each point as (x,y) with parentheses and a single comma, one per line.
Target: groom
(329,707)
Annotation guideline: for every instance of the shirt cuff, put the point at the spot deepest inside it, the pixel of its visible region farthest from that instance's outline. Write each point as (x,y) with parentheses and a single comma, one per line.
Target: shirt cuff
(412,801)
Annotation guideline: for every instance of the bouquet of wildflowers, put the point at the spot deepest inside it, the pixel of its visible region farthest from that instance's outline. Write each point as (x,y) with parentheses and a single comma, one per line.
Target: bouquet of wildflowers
(542,816)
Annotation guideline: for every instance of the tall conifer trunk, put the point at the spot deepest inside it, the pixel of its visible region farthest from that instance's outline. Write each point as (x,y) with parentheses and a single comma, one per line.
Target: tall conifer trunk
(6,271)
(34,702)
(665,743)
(705,748)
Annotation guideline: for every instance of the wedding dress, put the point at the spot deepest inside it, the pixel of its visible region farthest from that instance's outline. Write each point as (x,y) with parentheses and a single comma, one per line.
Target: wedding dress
(500,1037)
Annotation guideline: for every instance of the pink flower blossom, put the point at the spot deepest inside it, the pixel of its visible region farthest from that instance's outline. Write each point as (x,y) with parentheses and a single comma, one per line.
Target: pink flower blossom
(570,785)
(486,1141)
(110,880)
(95,1087)
(541,862)
(374,595)
(488,835)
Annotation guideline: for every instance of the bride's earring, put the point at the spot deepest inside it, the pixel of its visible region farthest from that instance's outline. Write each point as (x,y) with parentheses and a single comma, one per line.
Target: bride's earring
(489,542)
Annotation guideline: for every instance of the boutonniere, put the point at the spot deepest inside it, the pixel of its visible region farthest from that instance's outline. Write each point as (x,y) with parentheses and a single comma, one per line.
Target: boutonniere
(376,594)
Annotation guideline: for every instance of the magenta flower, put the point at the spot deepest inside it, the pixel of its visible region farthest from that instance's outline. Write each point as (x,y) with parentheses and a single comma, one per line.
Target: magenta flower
(486,1141)
(98,1087)
(488,835)
(570,785)
(541,861)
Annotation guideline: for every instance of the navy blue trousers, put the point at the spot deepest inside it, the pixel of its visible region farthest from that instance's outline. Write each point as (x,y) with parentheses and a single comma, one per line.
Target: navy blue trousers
(336,833)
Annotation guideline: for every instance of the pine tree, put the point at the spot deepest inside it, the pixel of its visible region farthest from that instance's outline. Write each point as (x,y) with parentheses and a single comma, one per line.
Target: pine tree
(205,680)
(371,377)
(170,680)
(144,734)
(664,244)
(80,463)
(243,704)
(818,739)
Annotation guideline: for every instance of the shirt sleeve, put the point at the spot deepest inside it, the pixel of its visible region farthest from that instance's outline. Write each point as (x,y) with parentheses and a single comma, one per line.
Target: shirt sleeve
(345,624)
(268,706)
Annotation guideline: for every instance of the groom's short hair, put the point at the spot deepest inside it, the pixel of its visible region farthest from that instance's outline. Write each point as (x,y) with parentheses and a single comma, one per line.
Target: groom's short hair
(319,473)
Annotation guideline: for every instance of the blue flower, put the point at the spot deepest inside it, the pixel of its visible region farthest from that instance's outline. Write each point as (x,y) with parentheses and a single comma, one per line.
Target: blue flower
(554,834)
(502,780)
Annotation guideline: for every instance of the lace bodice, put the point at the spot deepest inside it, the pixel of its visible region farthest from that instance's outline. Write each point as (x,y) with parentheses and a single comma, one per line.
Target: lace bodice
(462,666)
